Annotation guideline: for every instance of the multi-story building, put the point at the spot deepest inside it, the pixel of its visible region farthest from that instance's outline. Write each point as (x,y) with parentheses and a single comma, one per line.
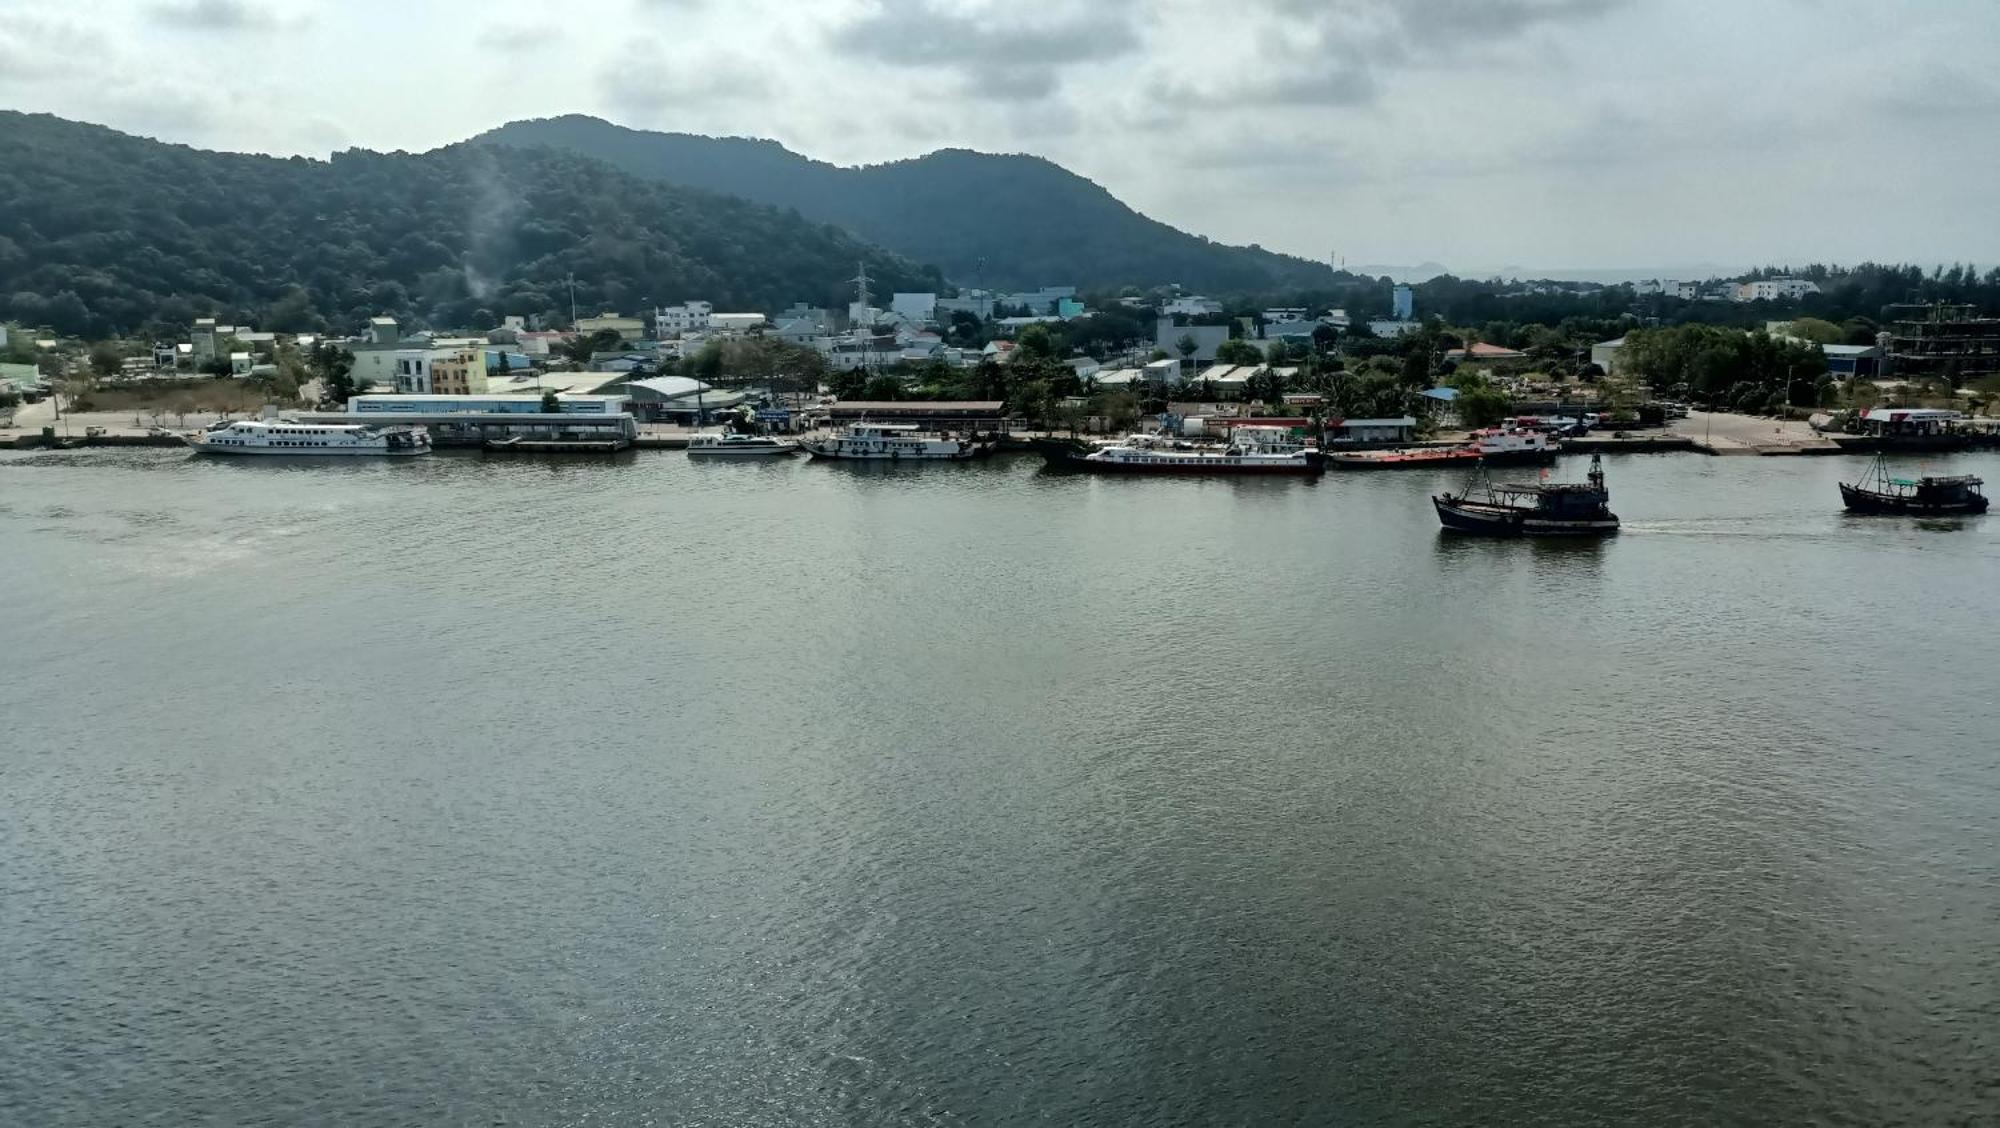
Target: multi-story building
(458,369)
(1949,342)
(678,320)
(1775,289)
(1403,304)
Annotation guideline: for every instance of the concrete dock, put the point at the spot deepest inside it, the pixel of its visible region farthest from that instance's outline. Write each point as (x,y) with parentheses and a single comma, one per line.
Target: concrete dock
(1722,433)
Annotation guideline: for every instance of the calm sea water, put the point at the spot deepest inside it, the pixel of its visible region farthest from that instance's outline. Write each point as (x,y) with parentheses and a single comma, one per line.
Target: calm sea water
(471,791)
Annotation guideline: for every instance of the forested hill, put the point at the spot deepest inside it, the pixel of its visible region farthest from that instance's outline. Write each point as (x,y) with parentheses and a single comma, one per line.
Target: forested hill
(1000,221)
(102,232)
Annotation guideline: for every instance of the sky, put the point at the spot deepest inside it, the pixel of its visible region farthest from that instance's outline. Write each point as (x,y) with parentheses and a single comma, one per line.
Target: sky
(1486,135)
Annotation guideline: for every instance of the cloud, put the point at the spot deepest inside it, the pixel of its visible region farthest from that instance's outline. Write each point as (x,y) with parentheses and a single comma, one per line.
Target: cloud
(997,50)
(1337,53)
(217,15)
(645,80)
(520,37)
(35,48)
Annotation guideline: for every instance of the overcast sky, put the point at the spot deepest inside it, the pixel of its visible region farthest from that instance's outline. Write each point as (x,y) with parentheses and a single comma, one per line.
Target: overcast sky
(1477,133)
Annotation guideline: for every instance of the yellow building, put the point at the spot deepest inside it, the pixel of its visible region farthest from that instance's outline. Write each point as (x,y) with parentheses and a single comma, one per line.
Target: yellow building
(461,372)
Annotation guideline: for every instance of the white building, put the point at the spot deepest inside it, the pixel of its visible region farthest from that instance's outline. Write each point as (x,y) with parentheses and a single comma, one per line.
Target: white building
(1207,339)
(920,308)
(1403,303)
(687,317)
(1604,354)
(1775,289)
(734,322)
(1192,306)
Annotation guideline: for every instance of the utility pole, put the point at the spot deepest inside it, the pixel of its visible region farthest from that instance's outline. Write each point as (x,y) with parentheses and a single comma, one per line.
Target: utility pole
(572,301)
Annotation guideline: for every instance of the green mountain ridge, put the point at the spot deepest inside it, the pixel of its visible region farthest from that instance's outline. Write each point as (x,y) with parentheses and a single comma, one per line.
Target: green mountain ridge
(983,219)
(104,232)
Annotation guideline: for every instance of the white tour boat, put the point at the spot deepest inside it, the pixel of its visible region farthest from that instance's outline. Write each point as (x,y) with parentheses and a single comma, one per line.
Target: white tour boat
(733,445)
(894,442)
(1251,450)
(259,436)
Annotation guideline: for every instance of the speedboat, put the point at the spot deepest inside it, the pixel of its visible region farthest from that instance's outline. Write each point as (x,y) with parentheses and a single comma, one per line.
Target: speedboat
(734,445)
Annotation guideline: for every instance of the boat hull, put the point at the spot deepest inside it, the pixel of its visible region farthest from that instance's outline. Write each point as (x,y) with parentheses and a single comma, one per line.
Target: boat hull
(1891,505)
(893,455)
(1520,457)
(316,452)
(761,452)
(1502,521)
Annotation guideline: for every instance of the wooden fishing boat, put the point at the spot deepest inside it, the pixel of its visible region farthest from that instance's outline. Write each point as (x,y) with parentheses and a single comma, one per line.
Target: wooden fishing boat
(1546,509)
(1878,492)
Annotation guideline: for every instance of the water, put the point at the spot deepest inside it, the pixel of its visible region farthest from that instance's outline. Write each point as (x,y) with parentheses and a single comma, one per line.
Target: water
(473,791)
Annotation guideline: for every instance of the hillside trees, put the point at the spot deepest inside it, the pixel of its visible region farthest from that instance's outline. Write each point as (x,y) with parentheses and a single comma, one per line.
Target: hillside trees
(107,233)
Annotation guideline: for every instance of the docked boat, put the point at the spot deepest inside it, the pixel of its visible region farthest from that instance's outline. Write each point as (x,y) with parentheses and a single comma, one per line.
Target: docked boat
(894,442)
(1495,446)
(276,437)
(1404,458)
(1516,446)
(734,445)
(1251,450)
(1880,493)
(1547,509)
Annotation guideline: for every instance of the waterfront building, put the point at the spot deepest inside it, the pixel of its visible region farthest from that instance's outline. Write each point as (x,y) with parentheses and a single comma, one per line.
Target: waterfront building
(472,420)
(1909,422)
(676,399)
(979,416)
(1850,362)
(489,404)
(1400,430)
(458,369)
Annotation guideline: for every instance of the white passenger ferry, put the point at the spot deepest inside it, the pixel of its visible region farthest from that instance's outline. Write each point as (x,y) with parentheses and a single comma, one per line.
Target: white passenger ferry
(888,442)
(1251,450)
(261,436)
